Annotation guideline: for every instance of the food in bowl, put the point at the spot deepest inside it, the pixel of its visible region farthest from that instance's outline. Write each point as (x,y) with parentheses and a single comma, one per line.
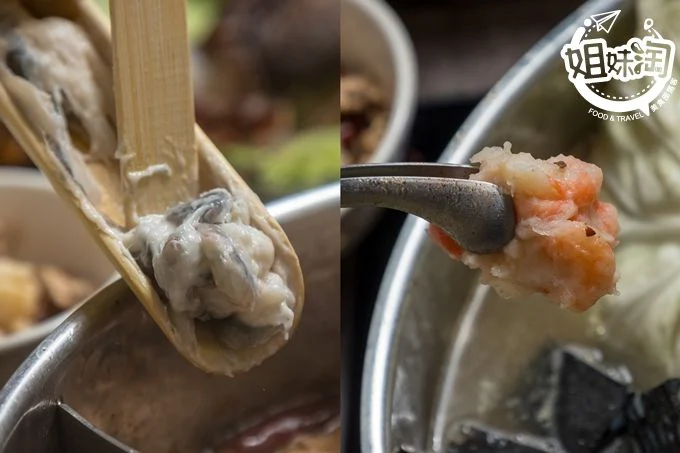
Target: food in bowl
(31,292)
(565,236)
(363,115)
(266,91)
(306,428)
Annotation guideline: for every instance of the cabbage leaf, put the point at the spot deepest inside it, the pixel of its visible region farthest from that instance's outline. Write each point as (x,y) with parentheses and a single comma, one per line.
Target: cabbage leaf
(641,163)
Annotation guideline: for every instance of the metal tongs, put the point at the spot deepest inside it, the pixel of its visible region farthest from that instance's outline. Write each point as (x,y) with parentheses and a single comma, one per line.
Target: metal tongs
(478,215)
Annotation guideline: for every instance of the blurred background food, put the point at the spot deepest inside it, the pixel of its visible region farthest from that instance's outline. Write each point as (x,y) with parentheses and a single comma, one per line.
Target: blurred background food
(266,90)
(363,115)
(31,292)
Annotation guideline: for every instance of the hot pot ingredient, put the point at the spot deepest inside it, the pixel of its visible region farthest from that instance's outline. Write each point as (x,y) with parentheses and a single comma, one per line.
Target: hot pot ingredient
(571,401)
(363,116)
(313,428)
(211,264)
(565,236)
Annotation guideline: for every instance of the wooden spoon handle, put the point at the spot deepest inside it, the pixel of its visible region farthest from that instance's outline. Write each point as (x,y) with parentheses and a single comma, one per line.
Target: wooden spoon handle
(154,105)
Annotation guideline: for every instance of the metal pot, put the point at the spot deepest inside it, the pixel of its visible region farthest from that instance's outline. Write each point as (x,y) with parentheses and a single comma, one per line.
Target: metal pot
(110,363)
(442,347)
(375,42)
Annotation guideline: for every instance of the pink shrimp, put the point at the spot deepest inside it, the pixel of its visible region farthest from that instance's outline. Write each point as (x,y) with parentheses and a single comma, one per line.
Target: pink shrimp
(565,236)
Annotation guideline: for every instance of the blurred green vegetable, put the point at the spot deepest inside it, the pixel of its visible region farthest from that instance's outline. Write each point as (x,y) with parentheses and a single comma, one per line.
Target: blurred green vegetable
(104,4)
(202,16)
(309,159)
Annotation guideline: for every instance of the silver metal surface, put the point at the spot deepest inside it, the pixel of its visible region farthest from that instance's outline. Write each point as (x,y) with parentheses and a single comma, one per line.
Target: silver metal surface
(477,214)
(442,347)
(375,42)
(111,364)
(429,169)
(77,435)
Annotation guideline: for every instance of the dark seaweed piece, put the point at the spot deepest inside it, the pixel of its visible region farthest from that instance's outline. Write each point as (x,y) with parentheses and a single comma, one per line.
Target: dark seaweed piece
(615,439)
(574,397)
(480,439)
(618,445)
(653,419)
(588,399)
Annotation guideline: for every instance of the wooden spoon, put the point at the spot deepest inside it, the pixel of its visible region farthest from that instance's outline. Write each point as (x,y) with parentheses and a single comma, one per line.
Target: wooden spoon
(68,126)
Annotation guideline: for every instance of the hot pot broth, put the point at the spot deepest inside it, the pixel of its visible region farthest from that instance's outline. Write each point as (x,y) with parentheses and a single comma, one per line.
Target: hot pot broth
(638,327)
(631,328)
(311,427)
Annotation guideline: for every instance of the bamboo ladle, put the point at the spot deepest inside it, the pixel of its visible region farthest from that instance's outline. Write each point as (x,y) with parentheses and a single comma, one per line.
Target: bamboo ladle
(169,157)
(154,105)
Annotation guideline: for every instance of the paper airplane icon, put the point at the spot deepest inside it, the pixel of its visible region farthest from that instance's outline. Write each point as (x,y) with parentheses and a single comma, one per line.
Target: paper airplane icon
(605,21)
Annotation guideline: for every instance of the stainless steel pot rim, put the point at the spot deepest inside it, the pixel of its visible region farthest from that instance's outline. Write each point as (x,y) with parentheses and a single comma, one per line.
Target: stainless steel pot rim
(377,381)
(305,202)
(402,111)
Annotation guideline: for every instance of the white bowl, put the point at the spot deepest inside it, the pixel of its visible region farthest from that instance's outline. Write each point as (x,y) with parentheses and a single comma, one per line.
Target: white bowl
(50,233)
(375,42)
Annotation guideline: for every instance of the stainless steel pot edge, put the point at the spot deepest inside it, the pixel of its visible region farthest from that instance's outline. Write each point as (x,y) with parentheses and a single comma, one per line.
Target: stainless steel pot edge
(377,379)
